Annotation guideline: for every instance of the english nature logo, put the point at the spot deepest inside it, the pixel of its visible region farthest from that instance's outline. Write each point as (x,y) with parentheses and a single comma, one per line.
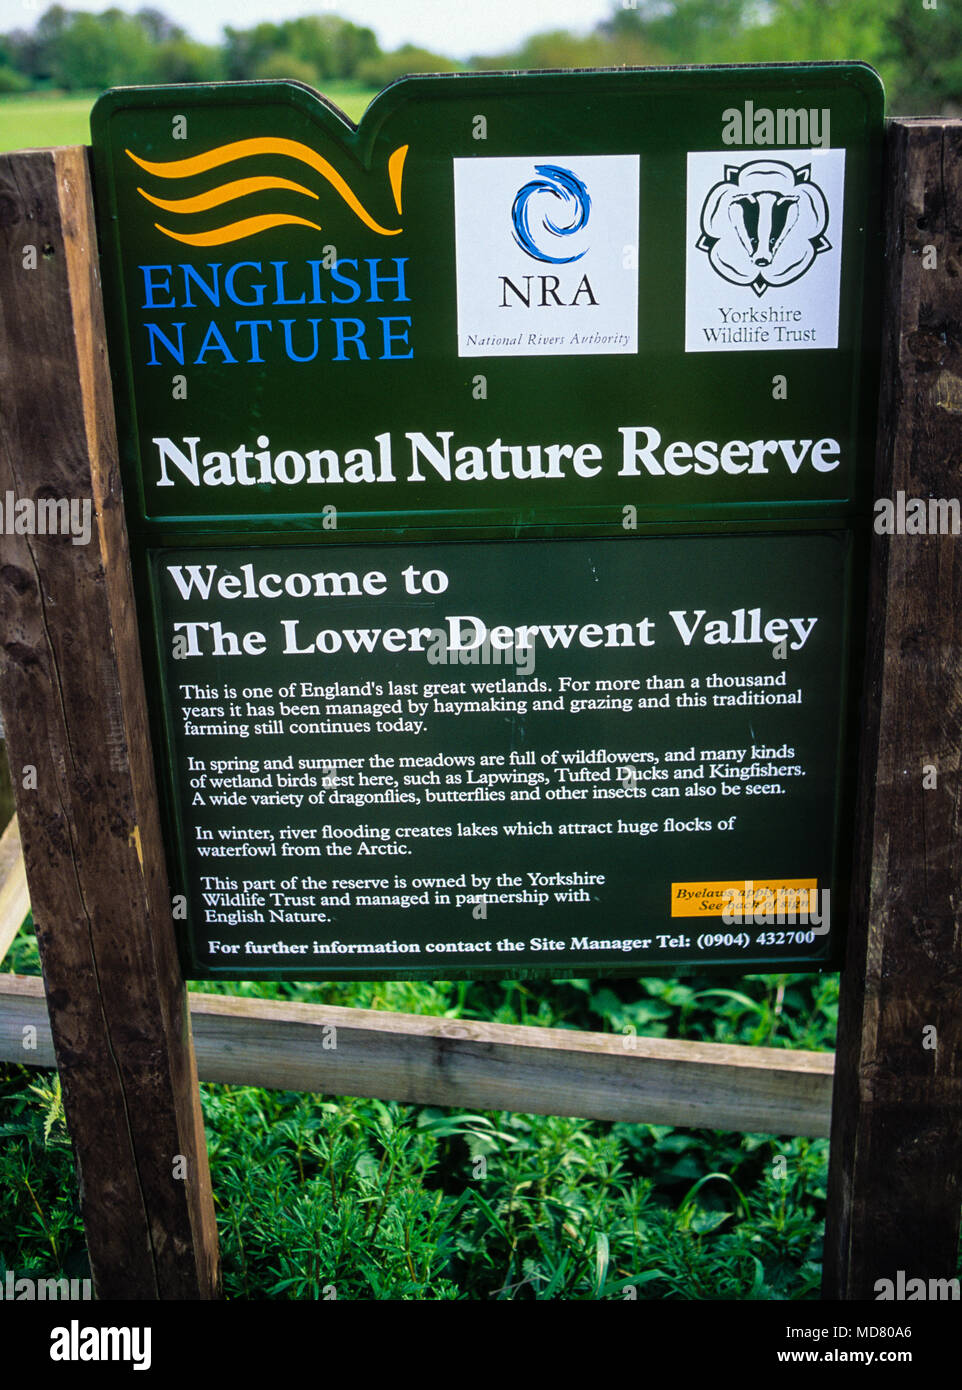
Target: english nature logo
(239,229)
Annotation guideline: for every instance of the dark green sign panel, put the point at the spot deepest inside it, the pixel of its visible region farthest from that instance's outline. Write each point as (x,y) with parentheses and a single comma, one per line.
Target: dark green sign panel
(497,475)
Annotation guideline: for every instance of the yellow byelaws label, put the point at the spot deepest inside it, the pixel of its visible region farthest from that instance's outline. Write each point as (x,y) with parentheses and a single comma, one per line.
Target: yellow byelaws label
(743,897)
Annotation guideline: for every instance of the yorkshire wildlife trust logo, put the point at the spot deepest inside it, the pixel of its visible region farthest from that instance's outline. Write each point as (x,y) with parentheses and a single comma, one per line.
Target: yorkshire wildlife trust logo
(764,224)
(568,190)
(763,250)
(546,251)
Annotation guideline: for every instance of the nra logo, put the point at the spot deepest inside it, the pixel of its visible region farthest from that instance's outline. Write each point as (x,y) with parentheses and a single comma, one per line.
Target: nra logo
(546,252)
(550,214)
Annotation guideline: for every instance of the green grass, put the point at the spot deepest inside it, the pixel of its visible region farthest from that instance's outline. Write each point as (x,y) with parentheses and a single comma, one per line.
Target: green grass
(357,1198)
(36,120)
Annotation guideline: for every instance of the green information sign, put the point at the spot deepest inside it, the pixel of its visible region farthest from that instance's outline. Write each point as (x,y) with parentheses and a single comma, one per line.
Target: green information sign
(498,476)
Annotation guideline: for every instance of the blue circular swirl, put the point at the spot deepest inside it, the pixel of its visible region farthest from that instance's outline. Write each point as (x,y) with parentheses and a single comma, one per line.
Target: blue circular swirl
(561,184)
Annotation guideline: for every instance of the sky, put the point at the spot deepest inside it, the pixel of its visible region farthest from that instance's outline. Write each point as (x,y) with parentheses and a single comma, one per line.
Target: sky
(457,28)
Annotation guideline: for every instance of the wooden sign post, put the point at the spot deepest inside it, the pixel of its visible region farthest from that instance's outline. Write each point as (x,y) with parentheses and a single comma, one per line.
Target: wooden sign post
(72,696)
(896,1166)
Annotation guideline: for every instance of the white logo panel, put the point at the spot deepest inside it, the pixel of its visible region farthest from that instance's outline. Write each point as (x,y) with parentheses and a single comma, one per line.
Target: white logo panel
(764,250)
(547,255)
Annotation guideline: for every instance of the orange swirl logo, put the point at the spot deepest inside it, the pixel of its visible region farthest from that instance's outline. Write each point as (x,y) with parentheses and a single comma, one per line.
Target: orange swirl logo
(246,187)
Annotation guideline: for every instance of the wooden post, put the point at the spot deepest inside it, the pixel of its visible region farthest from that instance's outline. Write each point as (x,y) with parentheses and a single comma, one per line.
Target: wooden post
(896,1156)
(72,699)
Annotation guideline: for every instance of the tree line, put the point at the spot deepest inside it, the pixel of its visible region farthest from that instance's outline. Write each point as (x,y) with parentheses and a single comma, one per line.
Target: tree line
(915,44)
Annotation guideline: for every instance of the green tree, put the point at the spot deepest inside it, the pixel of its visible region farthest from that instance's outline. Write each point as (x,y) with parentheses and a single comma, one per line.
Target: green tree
(917,49)
(322,44)
(245,49)
(559,49)
(180,59)
(818,31)
(11,80)
(348,45)
(378,72)
(158,27)
(685,31)
(283,64)
(106,50)
(32,52)
(923,59)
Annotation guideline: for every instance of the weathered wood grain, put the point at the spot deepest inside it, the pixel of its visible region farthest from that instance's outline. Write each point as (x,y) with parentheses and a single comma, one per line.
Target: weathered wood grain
(71,693)
(896,1163)
(438,1061)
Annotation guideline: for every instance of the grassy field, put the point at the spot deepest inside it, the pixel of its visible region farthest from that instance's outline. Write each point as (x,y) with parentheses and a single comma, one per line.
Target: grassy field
(32,121)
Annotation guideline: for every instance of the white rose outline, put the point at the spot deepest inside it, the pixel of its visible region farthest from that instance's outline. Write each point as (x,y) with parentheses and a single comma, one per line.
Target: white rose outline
(764,224)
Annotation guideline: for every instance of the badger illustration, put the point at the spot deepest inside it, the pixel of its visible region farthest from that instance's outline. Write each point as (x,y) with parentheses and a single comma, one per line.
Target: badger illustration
(764,224)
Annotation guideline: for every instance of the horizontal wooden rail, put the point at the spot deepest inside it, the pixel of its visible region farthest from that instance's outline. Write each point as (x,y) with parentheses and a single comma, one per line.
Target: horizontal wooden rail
(493,1066)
